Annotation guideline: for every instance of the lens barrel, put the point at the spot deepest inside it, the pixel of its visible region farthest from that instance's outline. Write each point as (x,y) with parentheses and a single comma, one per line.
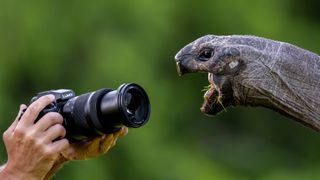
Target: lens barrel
(105,111)
(129,104)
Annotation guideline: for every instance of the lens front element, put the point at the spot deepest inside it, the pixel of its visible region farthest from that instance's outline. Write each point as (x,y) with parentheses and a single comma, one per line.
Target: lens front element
(134,105)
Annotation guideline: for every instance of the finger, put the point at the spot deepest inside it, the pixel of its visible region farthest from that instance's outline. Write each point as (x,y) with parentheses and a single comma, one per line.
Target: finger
(60,145)
(106,142)
(122,132)
(15,122)
(35,108)
(109,140)
(81,150)
(54,132)
(98,146)
(48,120)
(22,109)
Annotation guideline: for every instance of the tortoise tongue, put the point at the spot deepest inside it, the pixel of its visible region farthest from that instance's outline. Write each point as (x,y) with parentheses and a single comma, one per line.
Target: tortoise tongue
(210,93)
(209,96)
(209,99)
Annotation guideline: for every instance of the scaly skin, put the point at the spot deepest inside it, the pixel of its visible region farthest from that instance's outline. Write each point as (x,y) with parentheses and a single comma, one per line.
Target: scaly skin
(254,71)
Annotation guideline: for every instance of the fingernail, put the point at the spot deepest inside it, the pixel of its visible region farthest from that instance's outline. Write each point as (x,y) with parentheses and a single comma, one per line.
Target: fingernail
(23,106)
(23,109)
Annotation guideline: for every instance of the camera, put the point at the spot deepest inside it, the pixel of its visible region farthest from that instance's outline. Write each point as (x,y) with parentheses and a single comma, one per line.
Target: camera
(99,112)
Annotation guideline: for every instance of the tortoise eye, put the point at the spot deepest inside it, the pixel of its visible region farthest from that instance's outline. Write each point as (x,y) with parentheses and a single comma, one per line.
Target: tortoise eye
(205,54)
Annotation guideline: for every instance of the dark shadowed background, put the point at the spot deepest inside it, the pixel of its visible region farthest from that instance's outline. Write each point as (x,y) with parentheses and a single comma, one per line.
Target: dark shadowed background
(86,45)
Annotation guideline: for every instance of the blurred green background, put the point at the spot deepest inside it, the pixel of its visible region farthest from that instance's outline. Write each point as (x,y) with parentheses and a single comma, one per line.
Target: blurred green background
(87,45)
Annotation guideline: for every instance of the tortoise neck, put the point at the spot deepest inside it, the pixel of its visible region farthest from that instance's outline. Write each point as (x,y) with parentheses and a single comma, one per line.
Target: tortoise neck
(289,83)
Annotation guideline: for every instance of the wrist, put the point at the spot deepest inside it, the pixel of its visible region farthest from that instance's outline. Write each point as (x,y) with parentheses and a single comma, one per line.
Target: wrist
(9,173)
(2,167)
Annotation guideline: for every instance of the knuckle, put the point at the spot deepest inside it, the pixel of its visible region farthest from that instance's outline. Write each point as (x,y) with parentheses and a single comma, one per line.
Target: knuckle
(49,117)
(49,152)
(61,129)
(53,117)
(39,145)
(58,117)
(63,132)
(19,133)
(33,108)
(44,150)
(41,148)
(64,142)
(30,138)
(40,102)
(5,135)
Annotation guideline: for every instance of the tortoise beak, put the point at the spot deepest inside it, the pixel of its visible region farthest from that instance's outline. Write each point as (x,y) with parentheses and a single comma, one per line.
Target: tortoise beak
(181,63)
(179,68)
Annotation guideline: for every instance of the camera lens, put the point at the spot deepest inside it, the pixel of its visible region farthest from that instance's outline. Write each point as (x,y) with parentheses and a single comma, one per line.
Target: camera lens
(129,104)
(132,103)
(105,111)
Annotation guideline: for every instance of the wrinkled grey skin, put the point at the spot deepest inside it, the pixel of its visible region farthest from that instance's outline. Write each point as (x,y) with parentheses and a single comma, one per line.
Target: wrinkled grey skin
(254,71)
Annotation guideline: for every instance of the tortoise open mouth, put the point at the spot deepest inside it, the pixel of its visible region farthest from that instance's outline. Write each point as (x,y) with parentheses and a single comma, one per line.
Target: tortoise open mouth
(218,94)
(213,98)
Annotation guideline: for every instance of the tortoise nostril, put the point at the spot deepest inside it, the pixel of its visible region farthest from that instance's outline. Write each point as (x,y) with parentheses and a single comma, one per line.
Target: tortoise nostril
(184,52)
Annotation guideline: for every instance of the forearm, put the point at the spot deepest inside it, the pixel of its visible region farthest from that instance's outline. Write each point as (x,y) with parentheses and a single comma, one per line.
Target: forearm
(6,174)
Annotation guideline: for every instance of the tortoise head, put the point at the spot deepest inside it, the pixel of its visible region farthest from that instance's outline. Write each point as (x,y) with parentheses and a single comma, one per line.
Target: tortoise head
(223,58)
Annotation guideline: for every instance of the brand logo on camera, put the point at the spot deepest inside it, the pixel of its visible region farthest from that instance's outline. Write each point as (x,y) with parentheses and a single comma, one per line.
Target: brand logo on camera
(68,95)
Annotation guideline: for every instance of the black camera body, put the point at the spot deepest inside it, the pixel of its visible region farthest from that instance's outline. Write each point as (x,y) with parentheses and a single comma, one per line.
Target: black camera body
(61,98)
(99,112)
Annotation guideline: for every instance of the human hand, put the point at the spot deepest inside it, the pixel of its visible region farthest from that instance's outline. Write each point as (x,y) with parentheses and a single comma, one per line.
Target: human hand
(87,148)
(92,147)
(30,146)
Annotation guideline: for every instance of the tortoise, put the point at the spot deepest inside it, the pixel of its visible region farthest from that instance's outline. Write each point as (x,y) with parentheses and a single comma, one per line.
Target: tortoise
(254,71)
